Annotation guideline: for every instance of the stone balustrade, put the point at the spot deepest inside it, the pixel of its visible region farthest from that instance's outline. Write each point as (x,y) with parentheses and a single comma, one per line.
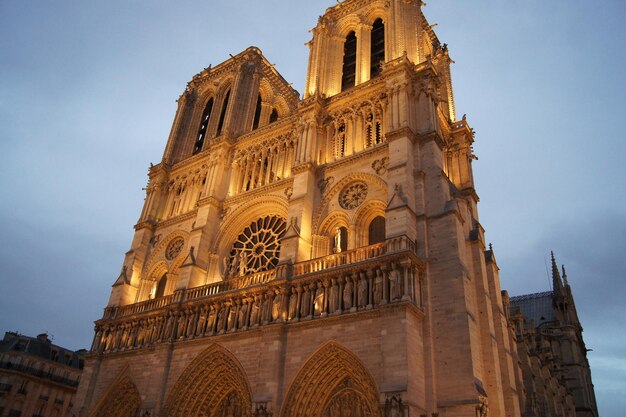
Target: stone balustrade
(360,280)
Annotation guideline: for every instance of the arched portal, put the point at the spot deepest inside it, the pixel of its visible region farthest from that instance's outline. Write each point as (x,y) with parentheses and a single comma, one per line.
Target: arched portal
(213,385)
(332,383)
(122,399)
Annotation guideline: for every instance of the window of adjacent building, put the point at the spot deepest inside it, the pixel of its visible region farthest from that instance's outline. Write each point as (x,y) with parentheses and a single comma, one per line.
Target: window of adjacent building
(204,125)
(220,124)
(377,230)
(349,62)
(377,56)
(257,113)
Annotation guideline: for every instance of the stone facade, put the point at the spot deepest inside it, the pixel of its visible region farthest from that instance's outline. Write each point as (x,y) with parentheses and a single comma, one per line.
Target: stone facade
(312,257)
(37,378)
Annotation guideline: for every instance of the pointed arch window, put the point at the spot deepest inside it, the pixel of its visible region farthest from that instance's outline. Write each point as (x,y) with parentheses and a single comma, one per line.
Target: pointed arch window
(220,124)
(204,125)
(349,62)
(377,230)
(377,56)
(273,116)
(160,288)
(257,113)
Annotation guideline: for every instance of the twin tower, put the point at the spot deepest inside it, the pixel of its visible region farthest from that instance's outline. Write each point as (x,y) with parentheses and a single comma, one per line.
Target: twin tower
(318,256)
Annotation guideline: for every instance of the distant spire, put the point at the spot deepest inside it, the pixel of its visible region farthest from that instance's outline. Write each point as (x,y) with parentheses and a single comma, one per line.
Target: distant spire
(565,276)
(557,284)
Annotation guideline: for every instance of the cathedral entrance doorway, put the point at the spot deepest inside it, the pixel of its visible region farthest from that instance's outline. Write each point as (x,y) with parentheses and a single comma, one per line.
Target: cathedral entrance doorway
(332,383)
(213,385)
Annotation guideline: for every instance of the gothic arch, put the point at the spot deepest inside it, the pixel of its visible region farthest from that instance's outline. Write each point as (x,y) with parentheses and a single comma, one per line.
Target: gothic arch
(333,376)
(213,382)
(364,216)
(121,399)
(332,221)
(349,23)
(376,12)
(236,220)
(336,189)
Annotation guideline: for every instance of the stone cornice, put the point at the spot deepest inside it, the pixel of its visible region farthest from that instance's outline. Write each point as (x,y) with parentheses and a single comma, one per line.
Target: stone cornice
(405,131)
(252,194)
(383,149)
(178,219)
(210,201)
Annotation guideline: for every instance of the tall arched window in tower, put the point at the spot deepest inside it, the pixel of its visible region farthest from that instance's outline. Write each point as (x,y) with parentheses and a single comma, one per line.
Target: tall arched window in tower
(220,124)
(377,230)
(206,116)
(257,113)
(378,47)
(349,62)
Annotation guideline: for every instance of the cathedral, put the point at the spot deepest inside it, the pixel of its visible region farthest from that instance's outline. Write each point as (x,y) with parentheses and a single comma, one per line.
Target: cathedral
(322,255)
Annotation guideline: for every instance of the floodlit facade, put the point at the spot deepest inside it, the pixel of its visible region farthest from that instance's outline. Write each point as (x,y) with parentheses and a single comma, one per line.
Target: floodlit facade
(314,256)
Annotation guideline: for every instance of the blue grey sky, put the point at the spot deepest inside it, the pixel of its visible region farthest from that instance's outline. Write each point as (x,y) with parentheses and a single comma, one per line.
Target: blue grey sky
(87,98)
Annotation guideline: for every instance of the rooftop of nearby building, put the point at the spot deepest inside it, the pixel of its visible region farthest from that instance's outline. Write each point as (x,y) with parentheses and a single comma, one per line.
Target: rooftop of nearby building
(42,347)
(536,307)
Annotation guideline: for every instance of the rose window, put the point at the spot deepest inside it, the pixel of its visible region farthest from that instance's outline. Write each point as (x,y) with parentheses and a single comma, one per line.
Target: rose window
(174,248)
(353,195)
(257,248)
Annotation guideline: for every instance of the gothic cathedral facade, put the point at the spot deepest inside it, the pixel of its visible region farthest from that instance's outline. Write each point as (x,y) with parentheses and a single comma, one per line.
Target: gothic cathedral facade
(316,256)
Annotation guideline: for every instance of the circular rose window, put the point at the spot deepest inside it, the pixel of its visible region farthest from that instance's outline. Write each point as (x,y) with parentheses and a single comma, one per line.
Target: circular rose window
(353,195)
(257,248)
(174,248)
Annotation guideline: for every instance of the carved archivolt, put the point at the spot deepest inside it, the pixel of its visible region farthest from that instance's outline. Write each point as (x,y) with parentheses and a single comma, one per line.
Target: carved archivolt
(236,220)
(372,180)
(160,253)
(122,399)
(332,383)
(213,385)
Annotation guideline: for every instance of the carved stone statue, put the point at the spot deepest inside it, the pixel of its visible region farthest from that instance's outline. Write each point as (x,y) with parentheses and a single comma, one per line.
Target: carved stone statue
(293,304)
(243,263)
(210,326)
(347,294)
(337,238)
(221,319)
(182,325)
(395,283)
(378,287)
(318,302)
(243,311)
(202,318)
(232,318)
(255,312)
(305,303)
(276,306)
(332,301)
(362,290)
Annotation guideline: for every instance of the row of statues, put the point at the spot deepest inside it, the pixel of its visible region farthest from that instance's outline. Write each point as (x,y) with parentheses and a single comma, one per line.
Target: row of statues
(354,291)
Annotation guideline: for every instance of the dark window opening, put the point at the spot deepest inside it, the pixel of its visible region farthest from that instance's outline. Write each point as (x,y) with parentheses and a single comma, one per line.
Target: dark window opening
(349,62)
(377,56)
(273,116)
(220,125)
(160,291)
(257,113)
(379,133)
(206,116)
(377,230)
